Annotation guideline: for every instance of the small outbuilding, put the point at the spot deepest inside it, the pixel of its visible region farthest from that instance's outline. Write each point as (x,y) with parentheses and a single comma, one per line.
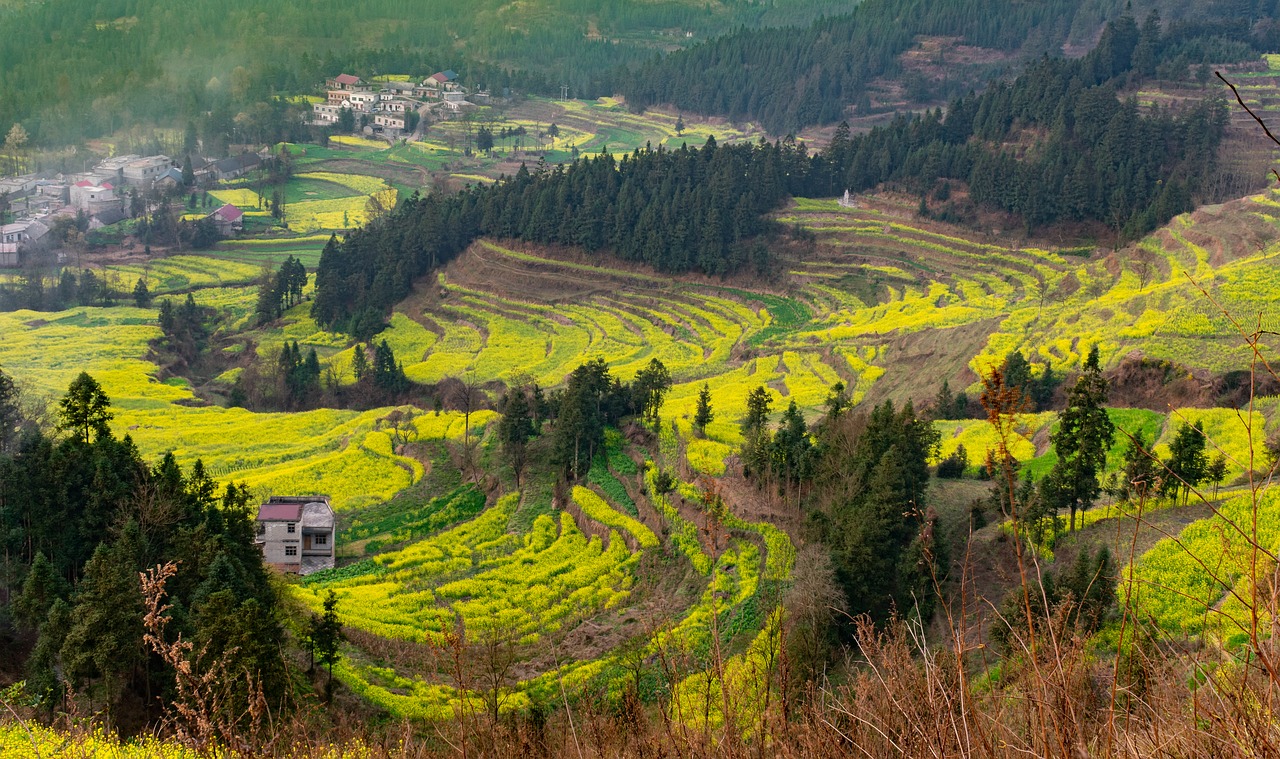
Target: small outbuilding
(229,220)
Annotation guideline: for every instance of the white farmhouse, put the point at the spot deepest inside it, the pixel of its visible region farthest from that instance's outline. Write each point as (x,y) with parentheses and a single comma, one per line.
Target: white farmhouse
(296,533)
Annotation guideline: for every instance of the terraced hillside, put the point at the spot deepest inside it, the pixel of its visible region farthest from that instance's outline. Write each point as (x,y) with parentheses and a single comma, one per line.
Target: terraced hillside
(885,302)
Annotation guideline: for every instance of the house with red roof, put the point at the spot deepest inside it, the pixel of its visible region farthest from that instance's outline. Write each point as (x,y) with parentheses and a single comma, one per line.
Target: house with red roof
(229,220)
(296,533)
(94,197)
(348,82)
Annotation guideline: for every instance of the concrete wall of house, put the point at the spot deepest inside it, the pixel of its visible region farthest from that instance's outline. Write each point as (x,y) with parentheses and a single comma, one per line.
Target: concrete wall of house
(277,543)
(277,540)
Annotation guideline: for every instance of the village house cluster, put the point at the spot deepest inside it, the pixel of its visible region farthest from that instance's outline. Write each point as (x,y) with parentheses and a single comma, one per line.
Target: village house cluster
(387,107)
(102,194)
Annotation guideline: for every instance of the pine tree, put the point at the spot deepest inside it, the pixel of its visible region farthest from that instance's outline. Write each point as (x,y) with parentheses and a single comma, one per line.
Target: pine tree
(944,402)
(105,638)
(838,402)
(85,409)
(1017,375)
(11,417)
(703,415)
(755,431)
(650,389)
(1187,465)
(1084,436)
(1141,474)
(327,637)
(1216,472)
(758,403)
(141,295)
(515,429)
(188,173)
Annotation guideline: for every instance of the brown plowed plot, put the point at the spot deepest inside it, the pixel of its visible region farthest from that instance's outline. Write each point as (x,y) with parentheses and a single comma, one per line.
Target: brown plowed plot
(482,267)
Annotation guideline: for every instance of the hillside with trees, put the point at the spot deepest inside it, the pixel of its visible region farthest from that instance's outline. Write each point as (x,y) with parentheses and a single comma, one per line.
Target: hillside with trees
(956,436)
(71,70)
(1099,160)
(791,78)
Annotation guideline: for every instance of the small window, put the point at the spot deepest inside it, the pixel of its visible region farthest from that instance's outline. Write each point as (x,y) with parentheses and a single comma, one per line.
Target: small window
(322,540)
(291,528)
(290,550)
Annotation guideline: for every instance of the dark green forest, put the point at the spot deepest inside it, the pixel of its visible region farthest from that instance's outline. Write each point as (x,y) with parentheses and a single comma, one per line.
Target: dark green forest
(683,210)
(701,210)
(81,515)
(787,79)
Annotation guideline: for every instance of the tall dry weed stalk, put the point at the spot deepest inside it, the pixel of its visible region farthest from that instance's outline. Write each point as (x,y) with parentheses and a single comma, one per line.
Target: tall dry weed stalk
(199,714)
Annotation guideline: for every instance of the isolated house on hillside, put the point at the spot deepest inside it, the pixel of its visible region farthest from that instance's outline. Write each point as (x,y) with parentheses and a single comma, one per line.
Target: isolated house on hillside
(296,533)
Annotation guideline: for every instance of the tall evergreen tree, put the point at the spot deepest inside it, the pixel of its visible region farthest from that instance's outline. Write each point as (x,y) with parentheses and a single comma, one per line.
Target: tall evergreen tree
(1084,436)
(141,295)
(328,636)
(516,429)
(703,414)
(651,385)
(1188,465)
(85,409)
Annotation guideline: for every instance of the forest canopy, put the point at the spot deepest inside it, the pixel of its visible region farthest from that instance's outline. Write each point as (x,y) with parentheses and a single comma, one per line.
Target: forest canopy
(788,79)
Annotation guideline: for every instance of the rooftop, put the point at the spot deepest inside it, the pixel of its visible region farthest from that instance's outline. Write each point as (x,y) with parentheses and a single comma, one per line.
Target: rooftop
(311,510)
(280,512)
(346,79)
(228,213)
(236,162)
(33,227)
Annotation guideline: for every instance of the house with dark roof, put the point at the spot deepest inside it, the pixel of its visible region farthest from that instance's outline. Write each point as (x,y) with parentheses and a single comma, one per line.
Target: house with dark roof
(18,237)
(170,180)
(296,533)
(106,217)
(229,220)
(235,166)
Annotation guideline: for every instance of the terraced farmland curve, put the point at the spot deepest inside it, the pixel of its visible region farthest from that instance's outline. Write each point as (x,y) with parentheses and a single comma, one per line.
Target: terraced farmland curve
(484,581)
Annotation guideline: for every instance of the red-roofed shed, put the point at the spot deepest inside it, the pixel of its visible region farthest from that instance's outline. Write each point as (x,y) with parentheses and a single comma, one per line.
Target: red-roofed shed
(229,219)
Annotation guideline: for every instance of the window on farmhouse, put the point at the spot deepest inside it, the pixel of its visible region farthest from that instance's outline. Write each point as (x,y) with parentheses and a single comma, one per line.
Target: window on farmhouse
(290,550)
(291,528)
(322,540)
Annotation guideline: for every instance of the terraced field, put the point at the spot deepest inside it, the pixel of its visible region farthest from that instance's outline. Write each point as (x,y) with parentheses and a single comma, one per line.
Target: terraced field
(482,580)
(334,452)
(317,201)
(886,303)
